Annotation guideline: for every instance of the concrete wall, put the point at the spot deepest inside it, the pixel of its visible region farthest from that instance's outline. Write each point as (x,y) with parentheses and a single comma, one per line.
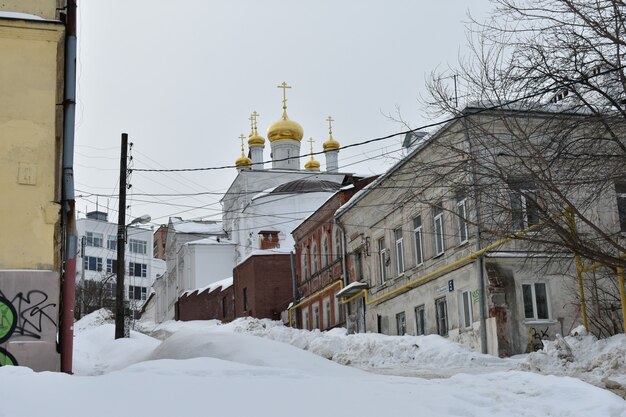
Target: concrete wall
(29,309)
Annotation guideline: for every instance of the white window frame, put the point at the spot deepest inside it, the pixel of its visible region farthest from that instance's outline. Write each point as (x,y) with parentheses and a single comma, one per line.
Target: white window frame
(461,212)
(401,323)
(305,264)
(111,242)
(305,318)
(316,316)
(133,265)
(438,231)
(337,251)
(383,254)
(418,240)
(518,197)
(397,233)
(111,269)
(98,263)
(325,251)
(137,246)
(326,312)
(94,239)
(466,310)
(533,293)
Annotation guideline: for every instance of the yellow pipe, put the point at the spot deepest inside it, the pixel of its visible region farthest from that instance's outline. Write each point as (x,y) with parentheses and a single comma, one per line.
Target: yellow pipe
(622,294)
(571,221)
(317,294)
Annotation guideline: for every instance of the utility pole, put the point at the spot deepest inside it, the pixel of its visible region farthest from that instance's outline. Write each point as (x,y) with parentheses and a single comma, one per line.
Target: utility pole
(121,242)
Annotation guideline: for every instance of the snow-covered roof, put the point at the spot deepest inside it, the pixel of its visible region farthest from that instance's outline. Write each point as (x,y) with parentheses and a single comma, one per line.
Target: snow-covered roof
(211,240)
(23,16)
(351,289)
(190,226)
(221,285)
(260,252)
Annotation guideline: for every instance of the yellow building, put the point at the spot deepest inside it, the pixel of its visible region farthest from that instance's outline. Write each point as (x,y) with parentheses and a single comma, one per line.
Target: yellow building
(32,114)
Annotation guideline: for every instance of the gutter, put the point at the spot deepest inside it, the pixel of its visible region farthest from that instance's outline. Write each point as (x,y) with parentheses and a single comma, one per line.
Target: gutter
(68,215)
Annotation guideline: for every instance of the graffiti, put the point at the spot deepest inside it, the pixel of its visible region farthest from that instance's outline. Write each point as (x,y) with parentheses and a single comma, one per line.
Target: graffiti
(8,323)
(475,296)
(31,312)
(536,338)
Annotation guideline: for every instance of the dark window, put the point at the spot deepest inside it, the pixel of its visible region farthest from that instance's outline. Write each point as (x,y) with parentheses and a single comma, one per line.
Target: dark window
(620,193)
(111,266)
(535,298)
(401,323)
(224,307)
(524,207)
(420,322)
(461,212)
(92,263)
(137,293)
(442,316)
(439,230)
(137,270)
(245,299)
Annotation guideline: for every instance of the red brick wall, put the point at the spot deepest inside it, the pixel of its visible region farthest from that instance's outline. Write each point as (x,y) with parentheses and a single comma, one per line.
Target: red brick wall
(267,279)
(207,305)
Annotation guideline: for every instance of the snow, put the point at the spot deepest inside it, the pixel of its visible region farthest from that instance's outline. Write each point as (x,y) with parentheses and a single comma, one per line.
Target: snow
(210,241)
(198,227)
(260,252)
(258,368)
(223,284)
(349,287)
(16,15)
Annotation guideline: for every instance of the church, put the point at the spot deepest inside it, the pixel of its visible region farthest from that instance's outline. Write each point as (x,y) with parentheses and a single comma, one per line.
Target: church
(270,201)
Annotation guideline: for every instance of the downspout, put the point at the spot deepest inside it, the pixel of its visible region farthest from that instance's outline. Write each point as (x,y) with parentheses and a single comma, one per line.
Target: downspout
(68,286)
(294,289)
(479,260)
(344,269)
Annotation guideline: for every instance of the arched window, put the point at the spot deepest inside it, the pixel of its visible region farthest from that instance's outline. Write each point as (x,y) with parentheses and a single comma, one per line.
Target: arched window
(305,263)
(314,259)
(325,251)
(337,249)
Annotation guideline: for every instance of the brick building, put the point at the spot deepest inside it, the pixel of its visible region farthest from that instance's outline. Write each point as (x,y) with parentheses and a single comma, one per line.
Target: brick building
(216,301)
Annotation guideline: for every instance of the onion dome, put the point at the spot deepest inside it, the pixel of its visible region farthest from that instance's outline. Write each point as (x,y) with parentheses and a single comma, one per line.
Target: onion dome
(285,128)
(312,164)
(243,161)
(254,139)
(330,144)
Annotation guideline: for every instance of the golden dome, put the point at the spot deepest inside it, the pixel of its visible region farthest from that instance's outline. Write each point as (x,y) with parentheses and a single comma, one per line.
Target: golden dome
(285,129)
(312,165)
(243,161)
(331,144)
(254,139)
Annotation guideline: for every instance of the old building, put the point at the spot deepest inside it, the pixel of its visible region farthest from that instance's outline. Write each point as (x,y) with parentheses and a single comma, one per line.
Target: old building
(216,301)
(320,265)
(457,238)
(38,49)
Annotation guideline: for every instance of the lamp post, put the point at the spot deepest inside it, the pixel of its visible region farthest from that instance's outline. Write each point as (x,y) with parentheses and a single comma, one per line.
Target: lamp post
(121,274)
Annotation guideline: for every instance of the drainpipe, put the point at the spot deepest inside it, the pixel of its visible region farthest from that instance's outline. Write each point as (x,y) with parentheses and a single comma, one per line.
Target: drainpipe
(68,286)
(479,260)
(294,288)
(344,269)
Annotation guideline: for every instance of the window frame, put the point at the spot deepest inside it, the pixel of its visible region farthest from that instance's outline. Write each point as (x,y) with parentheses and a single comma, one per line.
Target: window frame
(111,266)
(534,302)
(467,317)
(438,230)
(97,263)
(143,270)
(420,320)
(399,238)
(401,323)
(620,196)
(463,229)
(326,312)
(138,246)
(314,258)
(112,242)
(418,240)
(324,256)
(382,259)
(524,210)
(442,321)
(94,239)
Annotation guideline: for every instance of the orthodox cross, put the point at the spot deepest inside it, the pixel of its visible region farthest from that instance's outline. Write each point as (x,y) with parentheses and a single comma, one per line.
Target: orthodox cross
(311,142)
(284,86)
(242,137)
(330,121)
(254,116)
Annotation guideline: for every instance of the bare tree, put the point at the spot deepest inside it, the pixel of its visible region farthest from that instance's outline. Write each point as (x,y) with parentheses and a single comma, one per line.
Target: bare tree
(541,144)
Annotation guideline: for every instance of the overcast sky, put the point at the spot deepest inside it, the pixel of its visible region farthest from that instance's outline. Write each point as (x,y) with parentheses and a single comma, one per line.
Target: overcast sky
(182,78)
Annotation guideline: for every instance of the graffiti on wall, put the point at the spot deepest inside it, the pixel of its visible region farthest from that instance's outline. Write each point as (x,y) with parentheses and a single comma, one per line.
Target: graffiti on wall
(537,336)
(8,323)
(33,312)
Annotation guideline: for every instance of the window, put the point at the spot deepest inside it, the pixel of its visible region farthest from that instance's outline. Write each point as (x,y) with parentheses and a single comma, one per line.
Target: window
(337,307)
(137,269)
(325,252)
(316,316)
(461,213)
(110,290)
(314,259)
(399,251)
(305,264)
(93,239)
(112,242)
(224,307)
(438,223)
(441,307)
(358,265)
(401,323)
(305,318)
(535,301)
(620,193)
(137,293)
(111,266)
(418,241)
(245,299)
(337,250)
(383,259)
(420,322)
(137,246)
(92,263)
(326,317)
(466,305)
(524,208)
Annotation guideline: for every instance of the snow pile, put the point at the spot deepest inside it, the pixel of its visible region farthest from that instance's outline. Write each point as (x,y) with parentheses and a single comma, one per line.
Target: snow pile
(600,362)
(91,320)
